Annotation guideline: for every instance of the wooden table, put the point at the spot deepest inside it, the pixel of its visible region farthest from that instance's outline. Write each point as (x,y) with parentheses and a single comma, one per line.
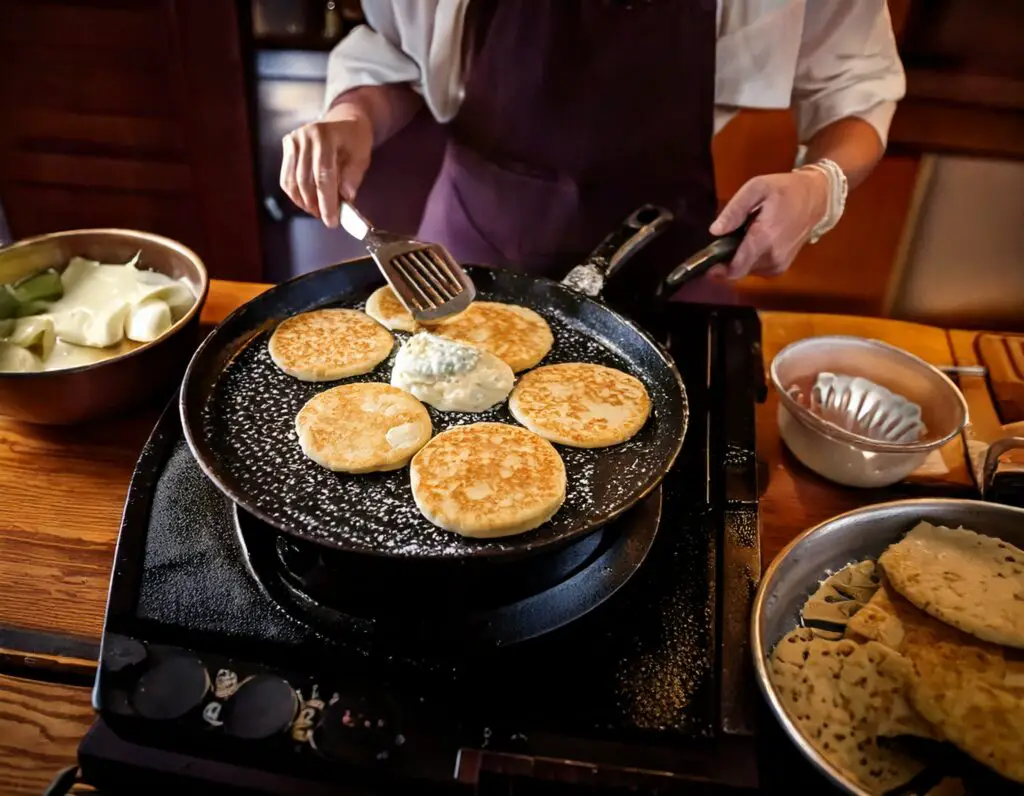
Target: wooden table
(61,495)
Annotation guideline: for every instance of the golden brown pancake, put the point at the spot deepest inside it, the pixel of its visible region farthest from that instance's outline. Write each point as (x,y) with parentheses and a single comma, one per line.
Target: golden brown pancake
(361,428)
(518,335)
(840,694)
(580,404)
(385,308)
(968,580)
(487,480)
(324,345)
(970,690)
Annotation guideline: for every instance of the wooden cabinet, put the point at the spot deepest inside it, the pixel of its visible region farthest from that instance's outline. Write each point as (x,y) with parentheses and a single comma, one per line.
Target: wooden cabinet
(130,113)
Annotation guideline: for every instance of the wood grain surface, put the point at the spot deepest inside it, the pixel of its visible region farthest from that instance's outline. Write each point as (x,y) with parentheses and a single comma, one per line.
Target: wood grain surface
(61,495)
(62,491)
(40,728)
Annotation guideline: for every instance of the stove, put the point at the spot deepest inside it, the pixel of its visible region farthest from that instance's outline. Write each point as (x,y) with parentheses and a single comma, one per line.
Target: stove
(236,659)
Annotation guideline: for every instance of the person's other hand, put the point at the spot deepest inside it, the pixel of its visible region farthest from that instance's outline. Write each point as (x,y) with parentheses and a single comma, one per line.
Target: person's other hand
(791,205)
(326,160)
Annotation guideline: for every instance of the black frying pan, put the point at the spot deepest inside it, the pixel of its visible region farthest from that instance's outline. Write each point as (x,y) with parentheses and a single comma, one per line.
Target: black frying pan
(238,412)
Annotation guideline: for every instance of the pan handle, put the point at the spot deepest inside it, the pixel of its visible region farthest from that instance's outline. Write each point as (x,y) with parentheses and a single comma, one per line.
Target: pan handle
(643,225)
(720,250)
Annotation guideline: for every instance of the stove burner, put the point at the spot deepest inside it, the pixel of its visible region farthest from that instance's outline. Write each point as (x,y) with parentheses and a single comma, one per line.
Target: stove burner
(447,604)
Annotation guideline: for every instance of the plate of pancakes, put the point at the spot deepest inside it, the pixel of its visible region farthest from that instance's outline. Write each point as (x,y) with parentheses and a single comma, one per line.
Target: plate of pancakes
(509,427)
(889,643)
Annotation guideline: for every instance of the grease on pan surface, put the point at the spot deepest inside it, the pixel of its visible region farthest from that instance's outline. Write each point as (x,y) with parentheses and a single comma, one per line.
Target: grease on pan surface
(250,418)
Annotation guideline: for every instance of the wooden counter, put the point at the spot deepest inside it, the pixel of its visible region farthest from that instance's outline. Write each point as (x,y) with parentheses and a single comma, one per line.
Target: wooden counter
(61,495)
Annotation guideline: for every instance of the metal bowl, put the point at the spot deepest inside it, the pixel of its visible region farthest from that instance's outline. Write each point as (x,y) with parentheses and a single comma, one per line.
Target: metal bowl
(844,456)
(864,533)
(73,395)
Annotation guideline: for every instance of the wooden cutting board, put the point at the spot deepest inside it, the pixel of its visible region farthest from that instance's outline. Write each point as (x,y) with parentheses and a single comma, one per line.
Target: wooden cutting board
(1003,357)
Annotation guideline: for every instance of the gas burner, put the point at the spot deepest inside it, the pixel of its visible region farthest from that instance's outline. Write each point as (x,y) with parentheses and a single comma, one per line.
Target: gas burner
(447,604)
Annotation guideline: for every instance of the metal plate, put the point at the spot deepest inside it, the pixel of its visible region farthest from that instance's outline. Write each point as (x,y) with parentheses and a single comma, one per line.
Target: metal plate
(811,557)
(238,412)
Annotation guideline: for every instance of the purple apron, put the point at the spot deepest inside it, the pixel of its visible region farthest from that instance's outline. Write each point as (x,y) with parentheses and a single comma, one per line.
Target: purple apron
(576,112)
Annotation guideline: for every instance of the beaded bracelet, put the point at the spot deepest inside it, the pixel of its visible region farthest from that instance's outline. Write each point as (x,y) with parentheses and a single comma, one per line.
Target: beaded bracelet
(837,190)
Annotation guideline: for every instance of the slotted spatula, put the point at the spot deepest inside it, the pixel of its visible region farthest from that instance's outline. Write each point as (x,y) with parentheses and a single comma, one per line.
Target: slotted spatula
(424,276)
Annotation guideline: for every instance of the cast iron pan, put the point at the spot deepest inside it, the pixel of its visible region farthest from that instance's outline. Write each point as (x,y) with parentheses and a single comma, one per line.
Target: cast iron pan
(238,412)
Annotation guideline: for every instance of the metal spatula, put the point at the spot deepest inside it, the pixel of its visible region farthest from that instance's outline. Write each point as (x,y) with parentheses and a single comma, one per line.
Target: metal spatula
(424,276)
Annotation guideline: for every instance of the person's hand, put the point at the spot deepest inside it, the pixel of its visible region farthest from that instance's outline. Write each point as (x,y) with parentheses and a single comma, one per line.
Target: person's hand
(791,205)
(326,160)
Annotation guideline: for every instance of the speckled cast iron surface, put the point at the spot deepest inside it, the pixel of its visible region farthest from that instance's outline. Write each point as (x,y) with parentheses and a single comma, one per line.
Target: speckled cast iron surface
(239,412)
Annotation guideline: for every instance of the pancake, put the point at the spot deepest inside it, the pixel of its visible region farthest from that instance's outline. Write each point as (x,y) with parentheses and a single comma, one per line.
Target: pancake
(487,480)
(840,694)
(362,428)
(971,691)
(385,308)
(518,335)
(324,345)
(970,581)
(581,405)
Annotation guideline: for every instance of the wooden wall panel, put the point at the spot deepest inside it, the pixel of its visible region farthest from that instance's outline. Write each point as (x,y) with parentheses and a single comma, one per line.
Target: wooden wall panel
(130,113)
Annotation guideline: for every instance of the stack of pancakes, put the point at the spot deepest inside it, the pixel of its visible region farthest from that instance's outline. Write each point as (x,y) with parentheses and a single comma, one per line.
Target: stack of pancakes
(937,652)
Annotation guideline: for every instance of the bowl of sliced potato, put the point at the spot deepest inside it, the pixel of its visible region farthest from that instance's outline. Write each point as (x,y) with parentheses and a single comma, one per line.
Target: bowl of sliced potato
(94,321)
(889,644)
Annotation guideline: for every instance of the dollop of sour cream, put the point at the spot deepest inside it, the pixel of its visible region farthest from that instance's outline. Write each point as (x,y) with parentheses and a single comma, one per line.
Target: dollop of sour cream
(451,376)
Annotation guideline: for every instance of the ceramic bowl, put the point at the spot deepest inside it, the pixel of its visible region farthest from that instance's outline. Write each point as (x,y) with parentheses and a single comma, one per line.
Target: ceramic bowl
(903,408)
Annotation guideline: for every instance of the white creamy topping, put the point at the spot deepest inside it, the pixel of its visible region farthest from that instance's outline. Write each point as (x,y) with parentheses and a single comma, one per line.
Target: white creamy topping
(432,357)
(450,376)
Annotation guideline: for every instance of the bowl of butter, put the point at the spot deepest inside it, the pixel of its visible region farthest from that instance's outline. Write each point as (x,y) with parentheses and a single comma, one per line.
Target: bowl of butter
(94,321)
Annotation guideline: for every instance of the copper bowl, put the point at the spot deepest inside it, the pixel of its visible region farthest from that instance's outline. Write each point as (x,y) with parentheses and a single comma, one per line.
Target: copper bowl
(74,395)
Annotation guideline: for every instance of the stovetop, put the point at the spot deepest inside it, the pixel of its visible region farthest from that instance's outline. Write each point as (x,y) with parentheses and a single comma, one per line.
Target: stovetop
(226,666)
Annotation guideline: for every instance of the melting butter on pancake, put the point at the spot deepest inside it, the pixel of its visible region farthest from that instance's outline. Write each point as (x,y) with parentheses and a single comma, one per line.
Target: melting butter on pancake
(362,428)
(580,404)
(517,335)
(487,480)
(324,345)
(451,376)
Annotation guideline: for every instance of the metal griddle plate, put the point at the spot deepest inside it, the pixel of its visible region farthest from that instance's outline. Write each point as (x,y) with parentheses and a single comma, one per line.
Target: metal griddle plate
(817,553)
(238,411)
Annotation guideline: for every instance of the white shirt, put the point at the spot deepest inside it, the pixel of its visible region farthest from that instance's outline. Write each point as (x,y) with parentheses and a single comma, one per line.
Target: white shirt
(826,59)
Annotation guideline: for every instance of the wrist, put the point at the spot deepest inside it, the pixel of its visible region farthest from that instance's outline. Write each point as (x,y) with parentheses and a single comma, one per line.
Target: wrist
(836,192)
(349,107)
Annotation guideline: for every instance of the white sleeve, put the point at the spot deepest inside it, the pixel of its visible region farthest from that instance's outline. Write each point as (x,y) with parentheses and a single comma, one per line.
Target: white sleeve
(404,41)
(848,66)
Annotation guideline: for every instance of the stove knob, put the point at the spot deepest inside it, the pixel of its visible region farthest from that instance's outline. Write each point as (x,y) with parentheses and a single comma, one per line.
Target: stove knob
(121,654)
(357,730)
(262,706)
(171,688)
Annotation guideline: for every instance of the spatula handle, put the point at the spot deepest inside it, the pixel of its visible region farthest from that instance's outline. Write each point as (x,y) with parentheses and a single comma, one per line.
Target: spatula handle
(353,222)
